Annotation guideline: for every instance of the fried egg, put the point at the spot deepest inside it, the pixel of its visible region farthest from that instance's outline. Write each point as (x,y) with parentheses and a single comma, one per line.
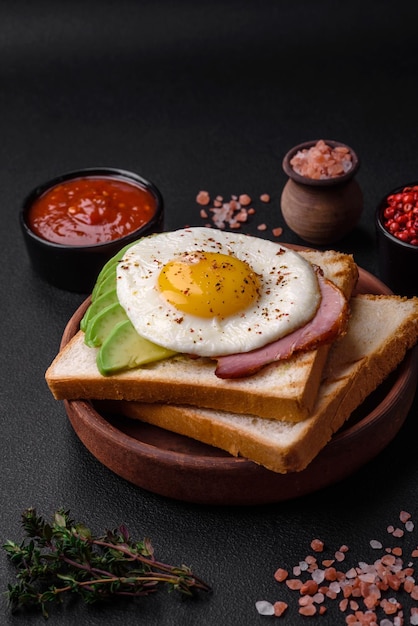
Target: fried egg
(209,293)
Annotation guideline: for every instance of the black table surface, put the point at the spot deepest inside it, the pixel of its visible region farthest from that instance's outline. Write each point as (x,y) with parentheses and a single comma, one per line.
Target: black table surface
(193,95)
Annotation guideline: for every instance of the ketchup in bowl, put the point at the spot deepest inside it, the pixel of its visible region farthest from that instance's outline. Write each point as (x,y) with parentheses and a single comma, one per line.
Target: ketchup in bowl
(72,225)
(86,211)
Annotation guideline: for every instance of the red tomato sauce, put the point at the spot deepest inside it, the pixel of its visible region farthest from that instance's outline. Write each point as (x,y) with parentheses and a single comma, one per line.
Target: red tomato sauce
(94,210)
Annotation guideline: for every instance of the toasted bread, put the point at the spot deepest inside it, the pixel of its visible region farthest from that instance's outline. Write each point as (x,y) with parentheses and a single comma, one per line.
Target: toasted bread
(284,390)
(380,332)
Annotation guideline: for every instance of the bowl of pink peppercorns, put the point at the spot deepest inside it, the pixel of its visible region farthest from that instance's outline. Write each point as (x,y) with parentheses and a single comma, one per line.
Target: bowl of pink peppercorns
(397,239)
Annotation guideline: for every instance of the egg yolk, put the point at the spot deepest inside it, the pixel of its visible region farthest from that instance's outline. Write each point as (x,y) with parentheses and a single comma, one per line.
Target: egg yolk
(209,284)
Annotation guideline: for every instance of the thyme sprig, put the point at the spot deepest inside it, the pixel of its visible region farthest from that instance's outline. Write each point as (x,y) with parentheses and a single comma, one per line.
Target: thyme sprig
(65,557)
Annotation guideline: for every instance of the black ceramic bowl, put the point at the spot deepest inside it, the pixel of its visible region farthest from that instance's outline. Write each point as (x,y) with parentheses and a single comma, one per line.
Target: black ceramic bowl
(398,261)
(76,267)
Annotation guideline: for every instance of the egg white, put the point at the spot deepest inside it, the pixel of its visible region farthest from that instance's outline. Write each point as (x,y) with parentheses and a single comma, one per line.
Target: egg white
(289,293)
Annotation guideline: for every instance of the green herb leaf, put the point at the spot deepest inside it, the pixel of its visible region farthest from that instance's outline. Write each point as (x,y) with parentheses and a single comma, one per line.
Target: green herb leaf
(65,557)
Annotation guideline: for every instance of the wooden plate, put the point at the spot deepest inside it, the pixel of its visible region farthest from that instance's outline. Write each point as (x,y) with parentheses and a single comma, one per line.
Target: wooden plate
(175,466)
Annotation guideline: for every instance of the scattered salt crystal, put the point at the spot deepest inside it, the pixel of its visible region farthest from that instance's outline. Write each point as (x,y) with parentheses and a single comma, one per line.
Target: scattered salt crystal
(244,199)
(409,526)
(294,583)
(398,532)
(318,576)
(318,597)
(264,607)
(203,198)
(308,610)
(279,608)
(281,574)
(404,516)
(310,559)
(310,587)
(317,545)
(367,578)
(304,600)
(376,545)
(335,586)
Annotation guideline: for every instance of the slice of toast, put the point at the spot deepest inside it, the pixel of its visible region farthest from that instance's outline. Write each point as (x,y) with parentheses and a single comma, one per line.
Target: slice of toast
(381,330)
(284,390)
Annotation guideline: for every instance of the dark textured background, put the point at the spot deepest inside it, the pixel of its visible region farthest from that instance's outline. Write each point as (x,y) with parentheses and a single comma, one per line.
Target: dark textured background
(193,95)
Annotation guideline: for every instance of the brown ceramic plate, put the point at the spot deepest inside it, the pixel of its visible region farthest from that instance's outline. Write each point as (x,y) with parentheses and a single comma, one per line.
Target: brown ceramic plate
(175,466)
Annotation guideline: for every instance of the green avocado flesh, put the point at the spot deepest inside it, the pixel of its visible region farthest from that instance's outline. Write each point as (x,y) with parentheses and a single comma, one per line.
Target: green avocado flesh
(100,326)
(97,305)
(107,327)
(124,349)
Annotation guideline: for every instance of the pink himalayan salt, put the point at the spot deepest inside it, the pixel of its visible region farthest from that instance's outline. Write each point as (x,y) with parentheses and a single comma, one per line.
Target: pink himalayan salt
(279,608)
(317,545)
(322,161)
(203,198)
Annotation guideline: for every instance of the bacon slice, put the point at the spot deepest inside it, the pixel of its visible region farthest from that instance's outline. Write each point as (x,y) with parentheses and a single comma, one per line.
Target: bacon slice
(330,321)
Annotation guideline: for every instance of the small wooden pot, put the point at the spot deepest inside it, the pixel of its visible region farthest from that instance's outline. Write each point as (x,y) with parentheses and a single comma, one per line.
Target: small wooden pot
(321,211)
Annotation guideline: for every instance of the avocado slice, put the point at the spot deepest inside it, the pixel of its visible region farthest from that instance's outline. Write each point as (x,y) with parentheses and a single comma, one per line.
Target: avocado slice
(101,324)
(124,349)
(108,282)
(99,303)
(113,261)
(110,271)
(109,268)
